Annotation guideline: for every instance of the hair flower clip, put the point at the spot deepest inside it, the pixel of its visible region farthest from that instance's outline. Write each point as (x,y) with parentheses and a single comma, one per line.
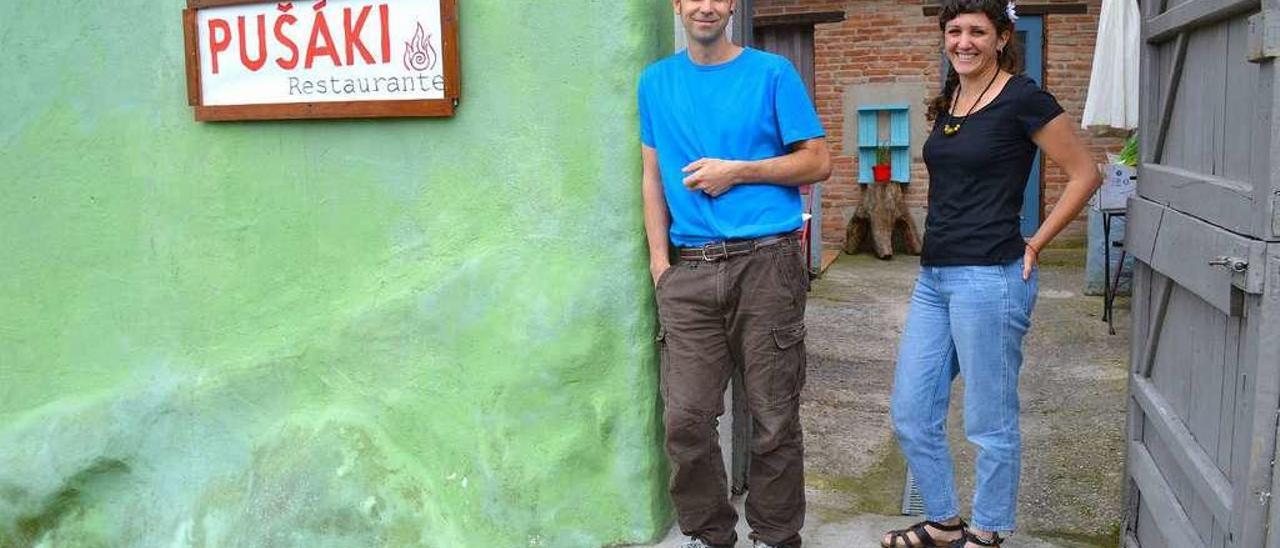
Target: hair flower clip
(1011,11)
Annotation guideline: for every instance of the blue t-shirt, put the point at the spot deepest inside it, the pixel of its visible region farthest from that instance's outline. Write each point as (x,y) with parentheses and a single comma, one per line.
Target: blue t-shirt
(750,108)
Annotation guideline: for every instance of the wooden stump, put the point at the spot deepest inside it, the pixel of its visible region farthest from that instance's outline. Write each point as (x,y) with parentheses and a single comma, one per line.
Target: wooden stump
(883,209)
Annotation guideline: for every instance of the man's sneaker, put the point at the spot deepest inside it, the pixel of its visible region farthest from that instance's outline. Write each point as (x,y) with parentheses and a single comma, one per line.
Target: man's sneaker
(695,542)
(758,544)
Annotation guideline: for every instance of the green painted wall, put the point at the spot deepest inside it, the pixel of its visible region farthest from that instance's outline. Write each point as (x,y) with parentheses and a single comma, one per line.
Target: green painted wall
(326,333)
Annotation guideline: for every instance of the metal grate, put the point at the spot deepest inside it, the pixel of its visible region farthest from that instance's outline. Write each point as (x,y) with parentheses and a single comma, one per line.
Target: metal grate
(912,504)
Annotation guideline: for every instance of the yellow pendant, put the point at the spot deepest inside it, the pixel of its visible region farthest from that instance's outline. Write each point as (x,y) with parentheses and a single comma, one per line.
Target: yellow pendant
(950,129)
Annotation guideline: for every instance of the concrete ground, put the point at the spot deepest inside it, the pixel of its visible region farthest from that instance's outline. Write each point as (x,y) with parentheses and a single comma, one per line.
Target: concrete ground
(1073,398)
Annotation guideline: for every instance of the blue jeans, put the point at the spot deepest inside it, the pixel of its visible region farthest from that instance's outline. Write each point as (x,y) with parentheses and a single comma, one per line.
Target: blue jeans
(966,320)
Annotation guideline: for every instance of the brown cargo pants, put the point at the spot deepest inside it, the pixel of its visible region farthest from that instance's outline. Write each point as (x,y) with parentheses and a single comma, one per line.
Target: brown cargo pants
(745,312)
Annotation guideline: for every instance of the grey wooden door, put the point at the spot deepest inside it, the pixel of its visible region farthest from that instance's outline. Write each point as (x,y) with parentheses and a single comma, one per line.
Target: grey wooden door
(1205,367)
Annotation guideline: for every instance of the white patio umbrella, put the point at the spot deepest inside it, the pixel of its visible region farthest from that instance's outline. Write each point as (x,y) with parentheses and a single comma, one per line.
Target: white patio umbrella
(1113,84)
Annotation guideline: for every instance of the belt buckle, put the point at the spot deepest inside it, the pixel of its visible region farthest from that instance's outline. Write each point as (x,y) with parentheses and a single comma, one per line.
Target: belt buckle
(724,251)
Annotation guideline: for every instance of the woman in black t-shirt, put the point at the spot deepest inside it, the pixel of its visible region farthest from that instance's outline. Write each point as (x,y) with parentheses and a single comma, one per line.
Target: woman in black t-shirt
(977,285)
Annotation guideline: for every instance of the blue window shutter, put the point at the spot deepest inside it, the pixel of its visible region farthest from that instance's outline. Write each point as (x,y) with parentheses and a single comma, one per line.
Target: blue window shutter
(866,159)
(899,140)
(899,128)
(867,128)
(868,120)
(901,164)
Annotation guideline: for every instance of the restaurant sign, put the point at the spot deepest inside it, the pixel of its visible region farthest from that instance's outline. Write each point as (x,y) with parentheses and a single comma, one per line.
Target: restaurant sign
(252,60)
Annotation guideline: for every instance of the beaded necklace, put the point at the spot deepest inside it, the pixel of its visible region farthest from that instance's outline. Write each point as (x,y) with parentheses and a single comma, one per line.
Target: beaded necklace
(952,129)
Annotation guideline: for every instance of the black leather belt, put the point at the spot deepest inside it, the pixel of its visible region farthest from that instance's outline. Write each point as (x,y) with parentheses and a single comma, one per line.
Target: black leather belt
(716,251)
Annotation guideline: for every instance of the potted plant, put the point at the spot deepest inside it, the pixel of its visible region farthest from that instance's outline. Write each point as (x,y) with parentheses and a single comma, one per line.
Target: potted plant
(882,171)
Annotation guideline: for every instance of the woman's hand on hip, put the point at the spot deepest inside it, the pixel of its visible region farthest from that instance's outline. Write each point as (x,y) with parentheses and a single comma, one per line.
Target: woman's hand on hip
(1030,258)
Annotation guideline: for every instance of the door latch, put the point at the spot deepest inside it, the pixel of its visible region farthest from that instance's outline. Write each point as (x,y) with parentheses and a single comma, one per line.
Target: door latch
(1234,264)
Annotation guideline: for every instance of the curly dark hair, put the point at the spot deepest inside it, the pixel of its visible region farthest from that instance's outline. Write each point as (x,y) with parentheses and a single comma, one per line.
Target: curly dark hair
(1010,59)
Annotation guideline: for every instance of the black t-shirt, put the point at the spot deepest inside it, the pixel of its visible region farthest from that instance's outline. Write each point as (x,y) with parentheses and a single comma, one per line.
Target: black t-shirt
(977,177)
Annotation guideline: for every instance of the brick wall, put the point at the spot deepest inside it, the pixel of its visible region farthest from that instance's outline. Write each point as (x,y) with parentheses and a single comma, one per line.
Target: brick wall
(883,41)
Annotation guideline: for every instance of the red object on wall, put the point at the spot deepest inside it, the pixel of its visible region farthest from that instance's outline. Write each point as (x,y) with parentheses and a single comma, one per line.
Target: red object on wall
(881,173)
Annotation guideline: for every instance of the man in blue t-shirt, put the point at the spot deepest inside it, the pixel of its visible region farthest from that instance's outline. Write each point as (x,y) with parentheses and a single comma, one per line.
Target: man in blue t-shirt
(728,135)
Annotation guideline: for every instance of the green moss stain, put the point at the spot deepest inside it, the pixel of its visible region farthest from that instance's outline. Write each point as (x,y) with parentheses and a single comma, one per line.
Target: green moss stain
(1079,540)
(326,333)
(878,490)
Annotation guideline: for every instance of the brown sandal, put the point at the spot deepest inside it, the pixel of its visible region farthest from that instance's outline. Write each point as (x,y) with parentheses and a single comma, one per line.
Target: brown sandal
(968,537)
(898,537)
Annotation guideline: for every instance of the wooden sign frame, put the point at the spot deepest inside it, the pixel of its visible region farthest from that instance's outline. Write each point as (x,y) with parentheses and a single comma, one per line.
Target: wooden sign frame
(328,109)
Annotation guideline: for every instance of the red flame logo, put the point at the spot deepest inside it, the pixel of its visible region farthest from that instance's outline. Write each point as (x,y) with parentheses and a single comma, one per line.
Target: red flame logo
(419,54)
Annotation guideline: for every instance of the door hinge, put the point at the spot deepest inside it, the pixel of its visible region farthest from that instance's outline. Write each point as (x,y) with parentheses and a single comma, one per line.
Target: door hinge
(1275,213)
(1264,36)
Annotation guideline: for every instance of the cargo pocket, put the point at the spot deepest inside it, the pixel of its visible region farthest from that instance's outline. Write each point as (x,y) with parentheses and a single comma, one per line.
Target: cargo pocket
(788,373)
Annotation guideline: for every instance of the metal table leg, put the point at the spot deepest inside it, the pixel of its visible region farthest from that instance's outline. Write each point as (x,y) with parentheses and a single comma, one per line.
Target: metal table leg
(1106,268)
(1114,287)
